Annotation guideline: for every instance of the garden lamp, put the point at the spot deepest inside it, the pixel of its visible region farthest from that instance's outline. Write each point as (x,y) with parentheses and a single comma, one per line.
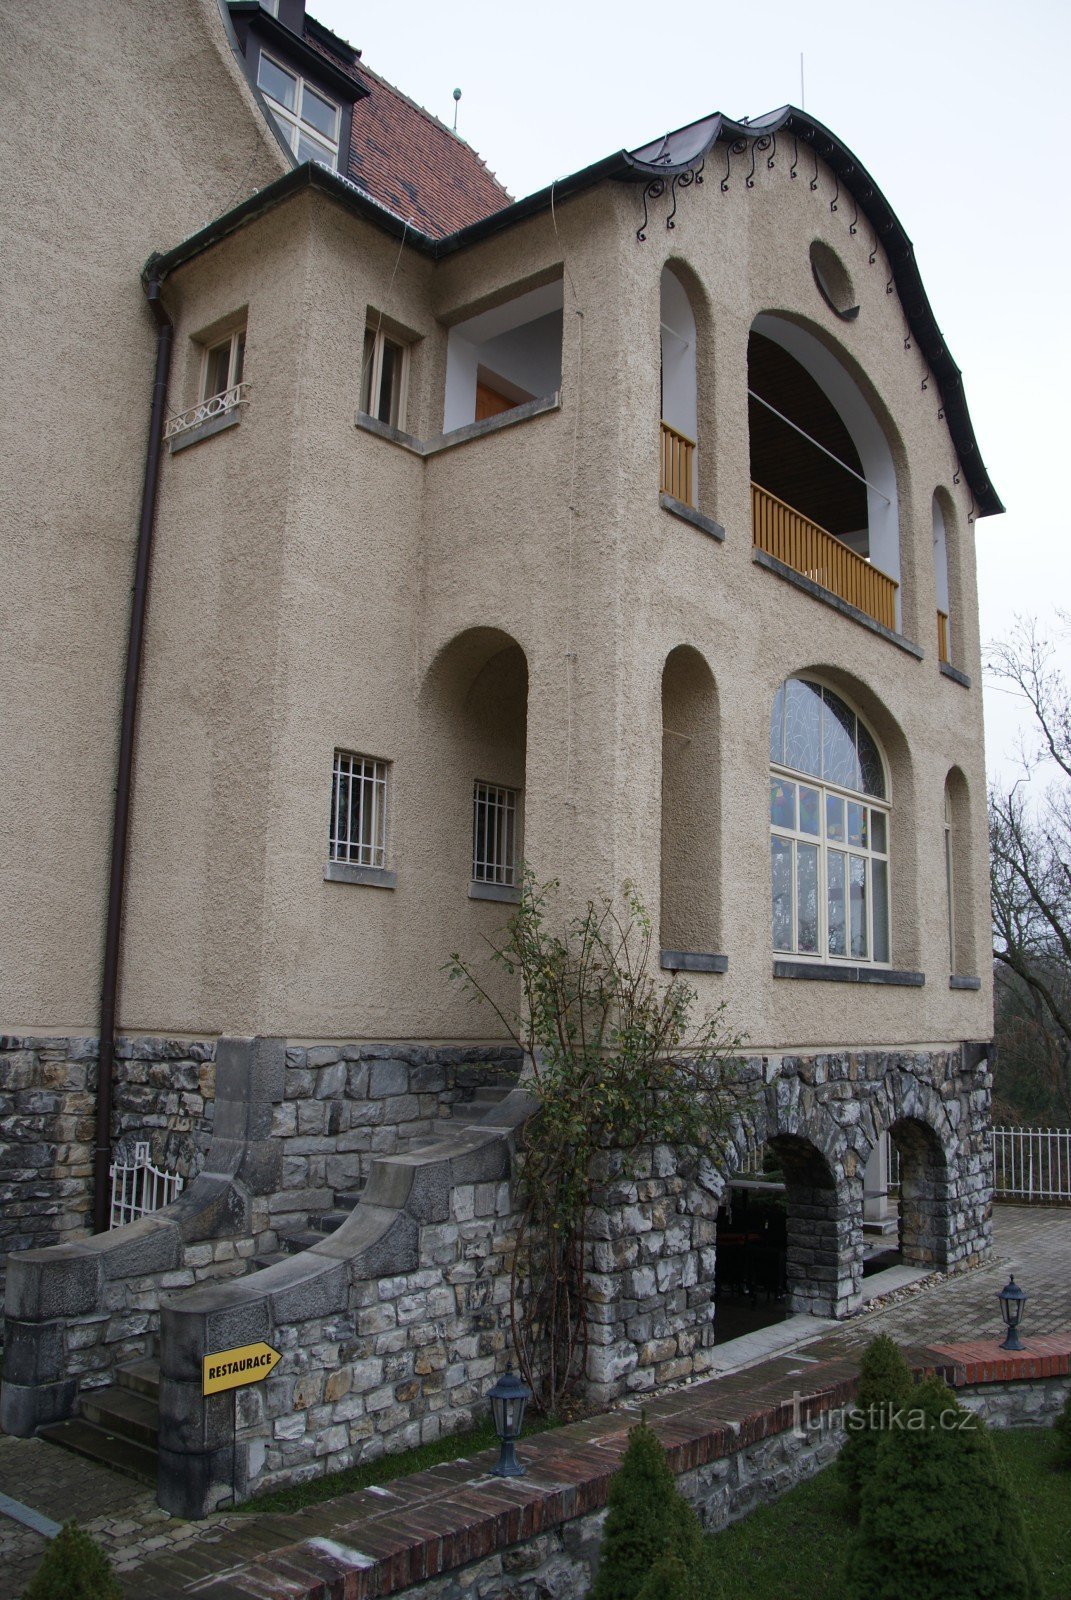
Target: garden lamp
(508,1398)
(1012,1301)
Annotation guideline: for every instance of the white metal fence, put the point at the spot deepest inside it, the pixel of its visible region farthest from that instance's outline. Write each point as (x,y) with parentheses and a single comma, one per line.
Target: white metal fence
(138,1187)
(1032,1164)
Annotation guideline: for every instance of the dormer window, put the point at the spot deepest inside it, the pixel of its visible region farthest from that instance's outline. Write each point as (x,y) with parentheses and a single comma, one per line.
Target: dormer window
(307,119)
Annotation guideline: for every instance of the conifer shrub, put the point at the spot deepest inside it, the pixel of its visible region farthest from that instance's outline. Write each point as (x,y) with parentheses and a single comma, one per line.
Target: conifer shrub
(669,1579)
(1063,1433)
(885,1382)
(648,1519)
(938,1520)
(74,1567)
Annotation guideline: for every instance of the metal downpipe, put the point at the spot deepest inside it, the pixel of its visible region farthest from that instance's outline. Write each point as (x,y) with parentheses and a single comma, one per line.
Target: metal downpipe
(124,775)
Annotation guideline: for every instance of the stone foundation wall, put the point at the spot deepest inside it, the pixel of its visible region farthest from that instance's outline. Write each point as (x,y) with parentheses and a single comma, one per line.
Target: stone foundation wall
(164,1091)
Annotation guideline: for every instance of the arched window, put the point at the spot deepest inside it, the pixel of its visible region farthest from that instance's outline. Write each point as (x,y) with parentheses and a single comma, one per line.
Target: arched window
(940,578)
(829,824)
(680,422)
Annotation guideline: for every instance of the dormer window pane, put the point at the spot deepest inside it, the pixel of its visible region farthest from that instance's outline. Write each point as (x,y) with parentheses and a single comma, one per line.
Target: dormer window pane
(319,113)
(280,85)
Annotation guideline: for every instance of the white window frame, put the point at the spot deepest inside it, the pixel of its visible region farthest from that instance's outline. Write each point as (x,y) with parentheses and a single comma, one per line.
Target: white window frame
(826,846)
(499,809)
(372,377)
(234,344)
(357,835)
(950,887)
(293,124)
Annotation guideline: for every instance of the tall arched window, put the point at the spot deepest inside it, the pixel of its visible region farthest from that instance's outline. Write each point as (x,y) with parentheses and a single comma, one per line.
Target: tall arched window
(680,420)
(829,829)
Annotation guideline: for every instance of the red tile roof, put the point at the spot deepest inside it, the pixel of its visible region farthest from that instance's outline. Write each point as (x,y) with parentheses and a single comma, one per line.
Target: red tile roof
(410,161)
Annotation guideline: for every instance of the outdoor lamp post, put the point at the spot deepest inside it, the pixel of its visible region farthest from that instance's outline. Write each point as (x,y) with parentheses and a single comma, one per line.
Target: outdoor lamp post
(1012,1301)
(508,1398)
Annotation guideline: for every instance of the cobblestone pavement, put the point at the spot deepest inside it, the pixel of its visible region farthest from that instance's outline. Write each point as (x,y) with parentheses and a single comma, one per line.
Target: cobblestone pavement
(124,1517)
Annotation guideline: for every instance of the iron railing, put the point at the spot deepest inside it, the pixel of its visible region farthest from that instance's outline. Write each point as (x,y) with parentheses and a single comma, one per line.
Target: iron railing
(1032,1164)
(139,1188)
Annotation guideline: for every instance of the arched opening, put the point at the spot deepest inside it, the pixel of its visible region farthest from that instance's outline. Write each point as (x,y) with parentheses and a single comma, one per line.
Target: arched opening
(920,1171)
(824,481)
(679,402)
(789,1240)
(690,807)
(940,578)
(475,711)
(956,828)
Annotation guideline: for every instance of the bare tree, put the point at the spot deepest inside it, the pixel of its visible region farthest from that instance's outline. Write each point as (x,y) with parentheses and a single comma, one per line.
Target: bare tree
(1030,865)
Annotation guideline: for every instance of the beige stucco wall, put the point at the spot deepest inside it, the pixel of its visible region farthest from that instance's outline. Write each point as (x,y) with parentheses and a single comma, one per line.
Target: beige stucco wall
(129,126)
(310,581)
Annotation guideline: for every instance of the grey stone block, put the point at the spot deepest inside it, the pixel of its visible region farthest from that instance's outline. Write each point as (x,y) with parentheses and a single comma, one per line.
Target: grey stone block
(429,1196)
(64,1281)
(191,1422)
(25,1408)
(317,1293)
(33,1352)
(388,1077)
(261,1166)
(250,1069)
(143,1247)
(194,1485)
(212,1208)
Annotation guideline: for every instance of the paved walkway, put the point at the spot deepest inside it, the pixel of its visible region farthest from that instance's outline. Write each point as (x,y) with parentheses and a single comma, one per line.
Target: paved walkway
(139,1537)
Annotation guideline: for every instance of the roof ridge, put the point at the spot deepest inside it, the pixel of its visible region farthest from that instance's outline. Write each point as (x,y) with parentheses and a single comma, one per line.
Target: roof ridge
(435,121)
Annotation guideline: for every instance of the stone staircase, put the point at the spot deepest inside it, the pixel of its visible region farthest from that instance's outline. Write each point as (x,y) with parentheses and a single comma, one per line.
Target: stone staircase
(116,1425)
(485,1097)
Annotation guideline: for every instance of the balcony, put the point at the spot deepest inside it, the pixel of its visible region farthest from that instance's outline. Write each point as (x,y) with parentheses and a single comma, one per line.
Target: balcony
(678,465)
(808,549)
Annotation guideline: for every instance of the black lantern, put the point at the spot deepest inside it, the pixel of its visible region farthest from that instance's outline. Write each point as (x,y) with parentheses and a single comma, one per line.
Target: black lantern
(1012,1301)
(508,1398)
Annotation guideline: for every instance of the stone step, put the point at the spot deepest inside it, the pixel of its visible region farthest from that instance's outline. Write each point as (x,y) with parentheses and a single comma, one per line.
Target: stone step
(111,1450)
(258,1263)
(346,1199)
(142,1377)
(122,1412)
(292,1244)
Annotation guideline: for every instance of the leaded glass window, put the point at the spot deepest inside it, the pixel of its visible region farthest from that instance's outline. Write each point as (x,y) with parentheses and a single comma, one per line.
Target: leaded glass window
(829,829)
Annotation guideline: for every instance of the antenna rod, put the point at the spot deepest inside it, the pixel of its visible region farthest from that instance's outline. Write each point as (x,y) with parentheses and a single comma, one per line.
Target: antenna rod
(803,96)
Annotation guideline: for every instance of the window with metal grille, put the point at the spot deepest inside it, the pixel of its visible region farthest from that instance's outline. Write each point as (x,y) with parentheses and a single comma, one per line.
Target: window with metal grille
(494,834)
(358,826)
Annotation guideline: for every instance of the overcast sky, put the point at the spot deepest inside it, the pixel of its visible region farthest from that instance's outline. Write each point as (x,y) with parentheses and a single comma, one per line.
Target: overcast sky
(956,107)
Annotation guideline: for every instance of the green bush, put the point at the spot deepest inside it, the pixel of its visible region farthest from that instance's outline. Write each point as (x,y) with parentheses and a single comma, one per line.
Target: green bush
(1063,1433)
(938,1520)
(669,1579)
(648,1519)
(74,1567)
(885,1381)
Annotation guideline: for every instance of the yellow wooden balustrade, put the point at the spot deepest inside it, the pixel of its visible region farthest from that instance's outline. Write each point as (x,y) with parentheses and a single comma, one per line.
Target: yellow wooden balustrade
(820,556)
(942,638)
(678,465)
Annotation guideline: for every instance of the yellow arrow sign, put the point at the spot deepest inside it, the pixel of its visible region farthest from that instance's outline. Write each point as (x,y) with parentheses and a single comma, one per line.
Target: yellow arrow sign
(230,1369)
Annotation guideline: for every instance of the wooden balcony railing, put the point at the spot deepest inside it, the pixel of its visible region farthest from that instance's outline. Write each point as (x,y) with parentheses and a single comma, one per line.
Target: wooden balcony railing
(678,465)
(820,556)
(942,638)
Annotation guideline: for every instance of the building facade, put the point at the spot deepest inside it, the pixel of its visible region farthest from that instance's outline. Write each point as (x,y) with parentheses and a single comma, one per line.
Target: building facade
(625,531)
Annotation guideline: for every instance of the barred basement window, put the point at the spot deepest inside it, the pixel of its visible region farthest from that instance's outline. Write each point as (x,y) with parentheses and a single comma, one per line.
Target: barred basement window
(358,826)
(494,834)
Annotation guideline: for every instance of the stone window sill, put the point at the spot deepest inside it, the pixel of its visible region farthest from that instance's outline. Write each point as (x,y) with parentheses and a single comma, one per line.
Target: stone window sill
(959,981)
(693,961)
(370,877)
(686,513)
(204,430)
(833,972)
(456,436)
(949,671)
(815,590)
(508,893)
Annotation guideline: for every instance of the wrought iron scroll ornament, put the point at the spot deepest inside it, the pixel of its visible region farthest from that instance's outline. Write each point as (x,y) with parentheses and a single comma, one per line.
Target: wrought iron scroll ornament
(795,157)
(656,188)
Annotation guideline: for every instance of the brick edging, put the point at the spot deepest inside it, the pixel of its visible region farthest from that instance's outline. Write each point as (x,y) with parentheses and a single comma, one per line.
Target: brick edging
(378,1542)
